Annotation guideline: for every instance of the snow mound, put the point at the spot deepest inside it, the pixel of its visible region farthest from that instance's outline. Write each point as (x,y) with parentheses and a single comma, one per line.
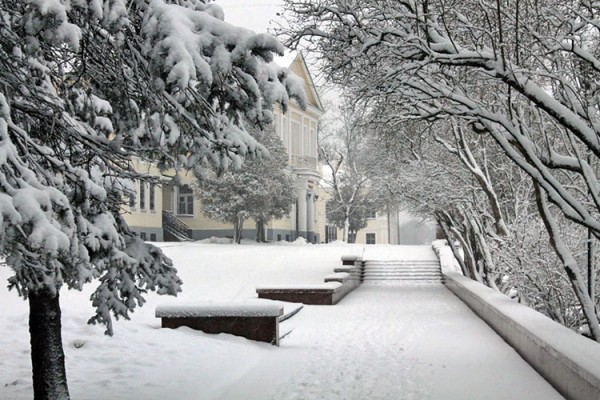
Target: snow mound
(216,240)
(444,253)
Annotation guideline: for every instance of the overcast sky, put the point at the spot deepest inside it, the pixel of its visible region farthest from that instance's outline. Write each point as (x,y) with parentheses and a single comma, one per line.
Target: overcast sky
(251,14)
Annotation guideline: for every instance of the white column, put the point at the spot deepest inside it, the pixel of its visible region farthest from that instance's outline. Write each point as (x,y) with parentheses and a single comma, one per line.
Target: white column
(301,208)
(310,213)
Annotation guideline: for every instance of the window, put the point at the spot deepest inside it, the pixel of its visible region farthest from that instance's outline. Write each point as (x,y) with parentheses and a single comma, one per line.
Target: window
(286,135)
(371,238)
(296,139)
(330,233)
(152,195)
(313,143)
(142,196)
(153,237)
(143,235)
(132,199)
(372,214)
(351,237)
(185,200)
(305,142)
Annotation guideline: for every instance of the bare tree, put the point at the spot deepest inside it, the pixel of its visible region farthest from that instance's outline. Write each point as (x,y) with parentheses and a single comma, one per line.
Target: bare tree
(343,149)
(507,70)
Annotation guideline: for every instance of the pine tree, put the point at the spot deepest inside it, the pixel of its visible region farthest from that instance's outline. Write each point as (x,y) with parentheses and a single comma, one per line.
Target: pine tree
(86,86)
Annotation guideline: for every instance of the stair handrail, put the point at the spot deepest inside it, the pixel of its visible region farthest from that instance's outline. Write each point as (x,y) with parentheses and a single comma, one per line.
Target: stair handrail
(176,226)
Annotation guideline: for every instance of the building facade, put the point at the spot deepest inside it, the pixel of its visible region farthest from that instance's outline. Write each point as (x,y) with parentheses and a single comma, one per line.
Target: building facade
(391,226)
(177,211)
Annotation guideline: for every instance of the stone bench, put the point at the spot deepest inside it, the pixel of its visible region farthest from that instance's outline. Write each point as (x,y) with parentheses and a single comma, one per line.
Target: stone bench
(349,281)
(341,277)
(329,293)
(252,321)
(353,271)
(350,260)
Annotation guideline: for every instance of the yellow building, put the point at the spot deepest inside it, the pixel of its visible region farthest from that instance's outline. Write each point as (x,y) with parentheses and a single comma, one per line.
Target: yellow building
(177,211)
(391,226)
(382,228)
(144,211)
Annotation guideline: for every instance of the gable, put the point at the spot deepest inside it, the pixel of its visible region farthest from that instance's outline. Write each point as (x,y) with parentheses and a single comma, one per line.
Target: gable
(300,68)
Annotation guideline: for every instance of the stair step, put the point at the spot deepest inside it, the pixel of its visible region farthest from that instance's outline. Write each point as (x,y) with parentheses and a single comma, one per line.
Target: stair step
(433,273)
(415,278)
(401,271)
(381,268)
(402,266)
(404,279)
(403,261)
(401,276)
(401,283)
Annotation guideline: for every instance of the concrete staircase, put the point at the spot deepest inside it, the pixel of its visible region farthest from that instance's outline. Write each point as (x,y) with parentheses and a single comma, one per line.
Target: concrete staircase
(174,229)
(401,271)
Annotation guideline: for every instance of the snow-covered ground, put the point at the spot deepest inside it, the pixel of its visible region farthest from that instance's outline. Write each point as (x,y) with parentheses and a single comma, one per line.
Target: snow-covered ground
(380,342)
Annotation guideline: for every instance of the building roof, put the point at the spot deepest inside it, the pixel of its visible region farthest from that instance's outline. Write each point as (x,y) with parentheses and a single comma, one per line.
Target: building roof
(298,66)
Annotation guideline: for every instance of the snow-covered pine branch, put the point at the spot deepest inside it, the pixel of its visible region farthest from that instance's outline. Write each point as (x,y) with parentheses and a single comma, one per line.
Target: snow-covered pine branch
(84,87)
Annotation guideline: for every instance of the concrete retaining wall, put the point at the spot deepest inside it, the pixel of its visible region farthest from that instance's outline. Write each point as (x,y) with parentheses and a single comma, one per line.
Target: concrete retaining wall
(568,361)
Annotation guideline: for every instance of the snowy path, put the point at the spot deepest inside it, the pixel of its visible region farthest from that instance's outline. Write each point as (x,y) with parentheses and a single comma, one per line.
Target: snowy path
(380,342)
(383,342)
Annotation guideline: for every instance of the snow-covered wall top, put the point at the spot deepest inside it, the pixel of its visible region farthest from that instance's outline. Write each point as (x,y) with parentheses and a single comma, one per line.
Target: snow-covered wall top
(570,362)
(315,287)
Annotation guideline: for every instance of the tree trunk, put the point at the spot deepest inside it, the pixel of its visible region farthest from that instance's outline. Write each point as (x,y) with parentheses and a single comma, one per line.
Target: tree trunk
(455,251)
(260,231)
(47,356)
(591,272)
(346,227)
(469,258)
(238,226)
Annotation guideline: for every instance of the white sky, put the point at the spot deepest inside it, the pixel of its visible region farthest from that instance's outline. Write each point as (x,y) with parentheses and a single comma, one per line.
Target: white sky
(251,14)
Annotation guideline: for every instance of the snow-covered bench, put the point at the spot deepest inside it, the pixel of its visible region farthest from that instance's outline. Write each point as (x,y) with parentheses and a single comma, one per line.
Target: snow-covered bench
(340,277)
(351,264)
(349,281)
(351,260)
(353,271)
(252,321)
(337,285)
(325,294)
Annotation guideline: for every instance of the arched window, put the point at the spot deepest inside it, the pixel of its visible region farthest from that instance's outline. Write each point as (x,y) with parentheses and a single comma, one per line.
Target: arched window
(185,200)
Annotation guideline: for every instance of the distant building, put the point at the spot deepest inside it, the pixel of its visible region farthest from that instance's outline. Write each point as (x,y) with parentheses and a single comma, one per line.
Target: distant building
(172,211)
(389,226)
